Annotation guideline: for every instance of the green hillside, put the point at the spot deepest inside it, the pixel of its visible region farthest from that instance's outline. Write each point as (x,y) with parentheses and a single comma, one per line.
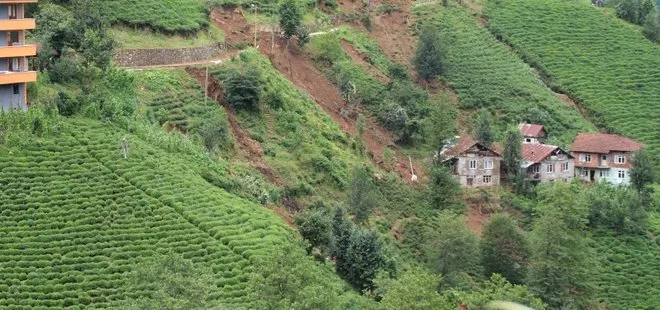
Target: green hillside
(162,15)
(602,61)
(485,74)
(77,217)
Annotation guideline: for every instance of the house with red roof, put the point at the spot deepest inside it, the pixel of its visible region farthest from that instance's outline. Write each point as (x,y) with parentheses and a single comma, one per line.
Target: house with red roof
(473,163)
(603,157)
(543,162)
(532,133)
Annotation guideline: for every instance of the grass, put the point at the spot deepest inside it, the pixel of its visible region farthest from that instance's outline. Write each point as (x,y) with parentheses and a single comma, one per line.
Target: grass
(600,60)
(487,75)
(171,16)
(132,37)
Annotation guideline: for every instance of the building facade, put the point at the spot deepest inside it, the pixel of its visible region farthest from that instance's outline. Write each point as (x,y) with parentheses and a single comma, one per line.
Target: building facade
(603,157)
(532,133)
(544,163)
(472,163)
(14,51)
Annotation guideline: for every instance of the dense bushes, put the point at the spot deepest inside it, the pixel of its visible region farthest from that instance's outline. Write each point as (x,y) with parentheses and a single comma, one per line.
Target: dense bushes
(241,85)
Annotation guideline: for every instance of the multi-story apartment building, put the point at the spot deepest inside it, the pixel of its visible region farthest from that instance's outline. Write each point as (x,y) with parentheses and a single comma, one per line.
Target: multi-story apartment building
(603,157)
(14,73)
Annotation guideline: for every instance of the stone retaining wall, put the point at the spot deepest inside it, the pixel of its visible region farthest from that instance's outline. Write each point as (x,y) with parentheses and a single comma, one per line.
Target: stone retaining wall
(144,57)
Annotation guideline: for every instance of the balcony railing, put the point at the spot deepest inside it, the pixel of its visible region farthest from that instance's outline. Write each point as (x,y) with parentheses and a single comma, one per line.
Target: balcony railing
(8,77)
(17,24)
(18,50)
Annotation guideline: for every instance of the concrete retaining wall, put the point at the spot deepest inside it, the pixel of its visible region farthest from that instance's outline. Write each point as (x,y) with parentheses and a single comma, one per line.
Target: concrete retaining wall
(144,57)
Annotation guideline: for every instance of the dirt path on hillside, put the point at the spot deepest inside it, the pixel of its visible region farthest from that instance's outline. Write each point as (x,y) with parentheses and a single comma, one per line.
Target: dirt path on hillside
(250,148)
(299,69)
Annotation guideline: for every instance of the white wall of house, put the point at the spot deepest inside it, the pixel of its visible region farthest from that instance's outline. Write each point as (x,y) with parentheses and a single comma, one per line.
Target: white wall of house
(616,176)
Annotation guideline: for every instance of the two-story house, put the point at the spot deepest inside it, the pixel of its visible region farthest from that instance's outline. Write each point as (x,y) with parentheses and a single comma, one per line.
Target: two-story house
(473,163)
(544,162)
(603,157)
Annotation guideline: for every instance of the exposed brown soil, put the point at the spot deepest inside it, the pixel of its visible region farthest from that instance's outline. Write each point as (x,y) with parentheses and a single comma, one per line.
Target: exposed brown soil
(394,34)
(298,68)
(476,220)
(363,61)
(250,148)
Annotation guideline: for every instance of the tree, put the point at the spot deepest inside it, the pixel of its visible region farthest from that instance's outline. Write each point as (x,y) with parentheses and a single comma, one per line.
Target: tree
(415,289)
(441,123)
(512,153)
(365,258)
(444,190)
(483,131)
(173,283)
(342,229)
(242,86)
(288,279)
(315,226)
(561,264)
(54,27)
(634,11)
(504,249)
(429,57)
(652,27)
(361,191)
(618,208)
(641,173)
(290,18)
(452,248)
(497,288)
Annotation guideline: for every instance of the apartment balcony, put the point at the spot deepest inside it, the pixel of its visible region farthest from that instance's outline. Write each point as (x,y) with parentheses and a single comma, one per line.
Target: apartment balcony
(8,77)
(17,24)
(17,1)
(18,50)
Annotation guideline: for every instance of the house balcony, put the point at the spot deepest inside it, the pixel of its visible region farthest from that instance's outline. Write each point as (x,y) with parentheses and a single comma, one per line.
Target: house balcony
(17,24)
(18,51)
(8,77)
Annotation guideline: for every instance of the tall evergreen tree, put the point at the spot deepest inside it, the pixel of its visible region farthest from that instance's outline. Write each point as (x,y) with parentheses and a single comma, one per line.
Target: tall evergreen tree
(444,190)
(562,261)
(361,192)
(290,18)
(483,130)
(429,57)
(364,258)
(512,153)
(504,249)
(641,173)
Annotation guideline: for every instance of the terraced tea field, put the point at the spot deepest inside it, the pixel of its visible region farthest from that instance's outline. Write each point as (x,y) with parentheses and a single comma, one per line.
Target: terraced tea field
(76,217)
(161,15)
(630,269)
(598,59)
(486,74)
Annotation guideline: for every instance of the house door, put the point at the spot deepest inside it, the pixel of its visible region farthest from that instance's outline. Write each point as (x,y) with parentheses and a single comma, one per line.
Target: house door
(592,175)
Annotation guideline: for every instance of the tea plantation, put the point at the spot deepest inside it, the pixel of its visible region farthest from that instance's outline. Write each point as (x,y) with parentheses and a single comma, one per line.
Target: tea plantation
(486,74)
(77,217)
(162,15)
(598,59)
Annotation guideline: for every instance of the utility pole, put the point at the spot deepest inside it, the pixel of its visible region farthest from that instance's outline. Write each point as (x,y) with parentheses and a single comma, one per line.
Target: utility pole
(256,24)
(206,85)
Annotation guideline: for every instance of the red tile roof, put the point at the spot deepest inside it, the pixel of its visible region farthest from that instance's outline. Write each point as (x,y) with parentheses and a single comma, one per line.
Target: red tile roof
(465,143)
(604,143)
(535,152)
(531,130)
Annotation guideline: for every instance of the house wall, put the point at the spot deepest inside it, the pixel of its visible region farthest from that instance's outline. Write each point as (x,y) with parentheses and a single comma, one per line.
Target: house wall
(9,101)
(558,174)
(604,170)
(463,171)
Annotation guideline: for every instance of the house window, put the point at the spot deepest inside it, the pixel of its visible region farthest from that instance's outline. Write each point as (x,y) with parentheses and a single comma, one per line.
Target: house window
(586,158)
(488,179)
(534,169)
(604,174)
(17,89)
(564,166)
(585,172)
(528,140)
(488,164)
(550,168)
(622,174)
(472,164)
(620,159)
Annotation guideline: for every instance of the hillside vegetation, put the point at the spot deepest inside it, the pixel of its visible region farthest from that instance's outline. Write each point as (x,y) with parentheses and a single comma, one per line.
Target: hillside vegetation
(604,63)
(486,75)
(161,15)
(77,218)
